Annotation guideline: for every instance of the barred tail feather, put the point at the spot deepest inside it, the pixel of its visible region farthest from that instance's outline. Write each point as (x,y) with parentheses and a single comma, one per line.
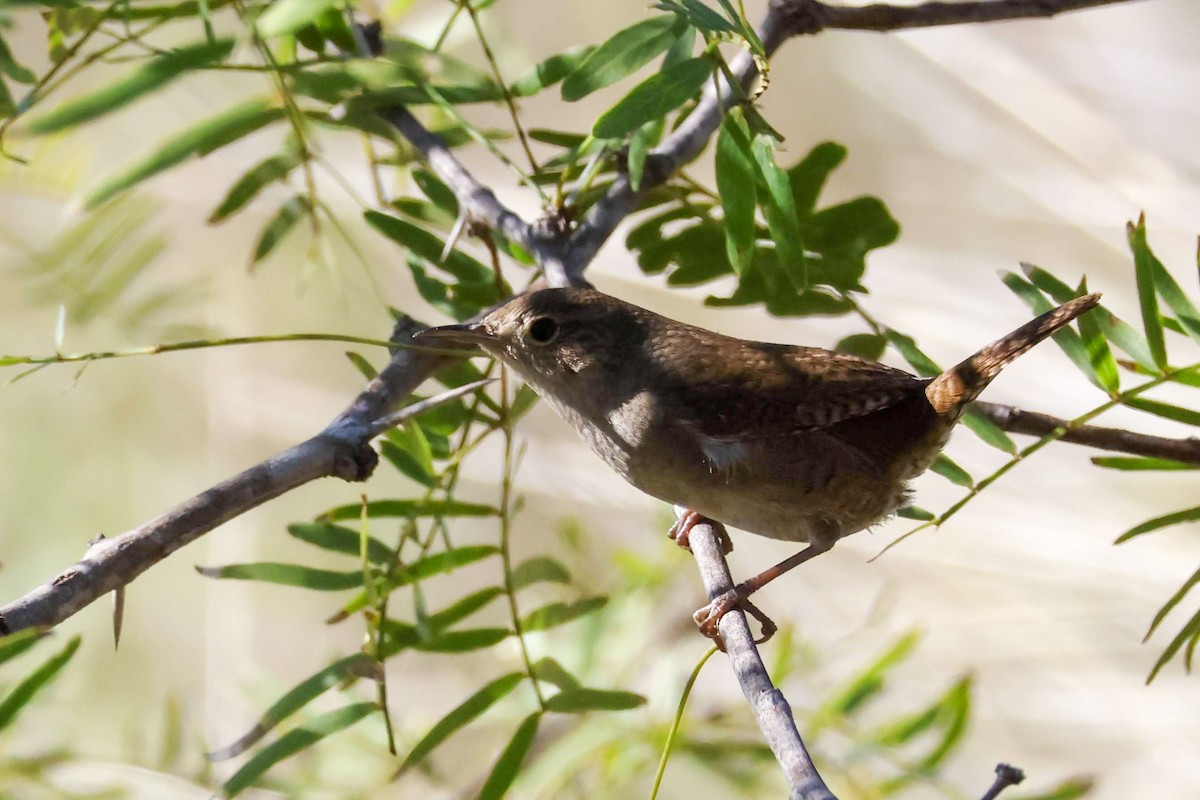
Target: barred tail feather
(949,392)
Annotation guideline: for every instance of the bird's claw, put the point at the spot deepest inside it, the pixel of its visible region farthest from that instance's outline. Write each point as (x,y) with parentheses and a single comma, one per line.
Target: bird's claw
(708,619)
(678,532)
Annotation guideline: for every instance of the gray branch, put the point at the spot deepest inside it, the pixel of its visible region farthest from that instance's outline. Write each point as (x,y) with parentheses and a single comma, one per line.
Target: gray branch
(341,450)
(770,707)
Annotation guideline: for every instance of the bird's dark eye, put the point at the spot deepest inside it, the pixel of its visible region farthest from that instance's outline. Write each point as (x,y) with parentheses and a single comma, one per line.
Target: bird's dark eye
(543,330)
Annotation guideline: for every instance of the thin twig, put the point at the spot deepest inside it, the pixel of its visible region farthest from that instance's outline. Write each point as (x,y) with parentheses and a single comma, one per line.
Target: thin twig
(1006,775)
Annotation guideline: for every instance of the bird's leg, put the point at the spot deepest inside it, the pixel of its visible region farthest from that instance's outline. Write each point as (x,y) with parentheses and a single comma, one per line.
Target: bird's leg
(707,618)
(686,519)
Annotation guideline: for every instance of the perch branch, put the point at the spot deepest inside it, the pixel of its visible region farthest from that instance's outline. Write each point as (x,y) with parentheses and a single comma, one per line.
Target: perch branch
(770,707)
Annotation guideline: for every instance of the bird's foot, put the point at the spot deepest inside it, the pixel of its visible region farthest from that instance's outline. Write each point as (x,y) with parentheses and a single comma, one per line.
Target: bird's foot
(689,519)
(709,618)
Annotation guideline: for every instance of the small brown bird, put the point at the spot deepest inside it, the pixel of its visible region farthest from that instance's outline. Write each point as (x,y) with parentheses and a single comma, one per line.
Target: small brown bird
(794,443)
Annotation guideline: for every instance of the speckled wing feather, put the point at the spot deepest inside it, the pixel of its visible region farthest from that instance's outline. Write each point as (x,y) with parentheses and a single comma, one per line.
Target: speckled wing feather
(777,390)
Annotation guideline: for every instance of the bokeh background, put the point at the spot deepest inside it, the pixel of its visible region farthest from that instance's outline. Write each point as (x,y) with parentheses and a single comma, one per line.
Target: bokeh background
(1026,141)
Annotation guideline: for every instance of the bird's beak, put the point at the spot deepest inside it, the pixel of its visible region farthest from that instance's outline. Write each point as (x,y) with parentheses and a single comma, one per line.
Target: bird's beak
(466,333)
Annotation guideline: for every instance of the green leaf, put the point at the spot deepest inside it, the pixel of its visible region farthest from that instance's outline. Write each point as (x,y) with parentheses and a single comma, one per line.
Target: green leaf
(550,71)
(247,187)
(459,717)
(866,684)
(779,207)
(913,512)
(337,539)
(988,431)
(1165,521)
(564,139)
(412,441)
(699,15)
(1190,631)
(864,345)
(525,399)
(1072,789)
(14,644)
(509,764)
(547,670)
(1104,363)
(744,28)
(360,362)
(808,177)
(552,615)
(14,70)
(1124,336)
(579,701)
(7,106)
(1165,410)
(464,641)
(289,16)
(333,26)
(736,186)
(1143,264)
(31,684)
(278,227)
(952,472)
(412,509)
(1048,283)
(294,741)
(951,712)
(321,580)
(406,463)
(151,75)
(1174,297)
(438,192)
(653,98)
(464,607)
(843,235)
(358,665)
(923,364)
(1134,464)
(622,54)
(539,569)
(1169,606)
(640,144)
(429,247)
(199,140)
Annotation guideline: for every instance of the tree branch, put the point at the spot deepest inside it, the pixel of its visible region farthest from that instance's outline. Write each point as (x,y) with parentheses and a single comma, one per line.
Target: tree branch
(770,707)
(1033,423)
(341,450)
(812,16)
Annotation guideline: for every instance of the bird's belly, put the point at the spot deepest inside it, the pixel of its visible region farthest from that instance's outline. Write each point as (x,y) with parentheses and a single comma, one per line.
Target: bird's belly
(795,489)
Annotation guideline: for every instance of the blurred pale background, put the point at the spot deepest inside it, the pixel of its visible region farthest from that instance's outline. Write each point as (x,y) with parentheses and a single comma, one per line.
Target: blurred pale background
(1029,141)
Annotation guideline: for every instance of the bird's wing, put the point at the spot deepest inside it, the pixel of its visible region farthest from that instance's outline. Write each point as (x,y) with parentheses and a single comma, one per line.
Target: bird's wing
(775,390)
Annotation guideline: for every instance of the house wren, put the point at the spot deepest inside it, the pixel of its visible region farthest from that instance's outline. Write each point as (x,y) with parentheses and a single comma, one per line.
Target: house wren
(794,443)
